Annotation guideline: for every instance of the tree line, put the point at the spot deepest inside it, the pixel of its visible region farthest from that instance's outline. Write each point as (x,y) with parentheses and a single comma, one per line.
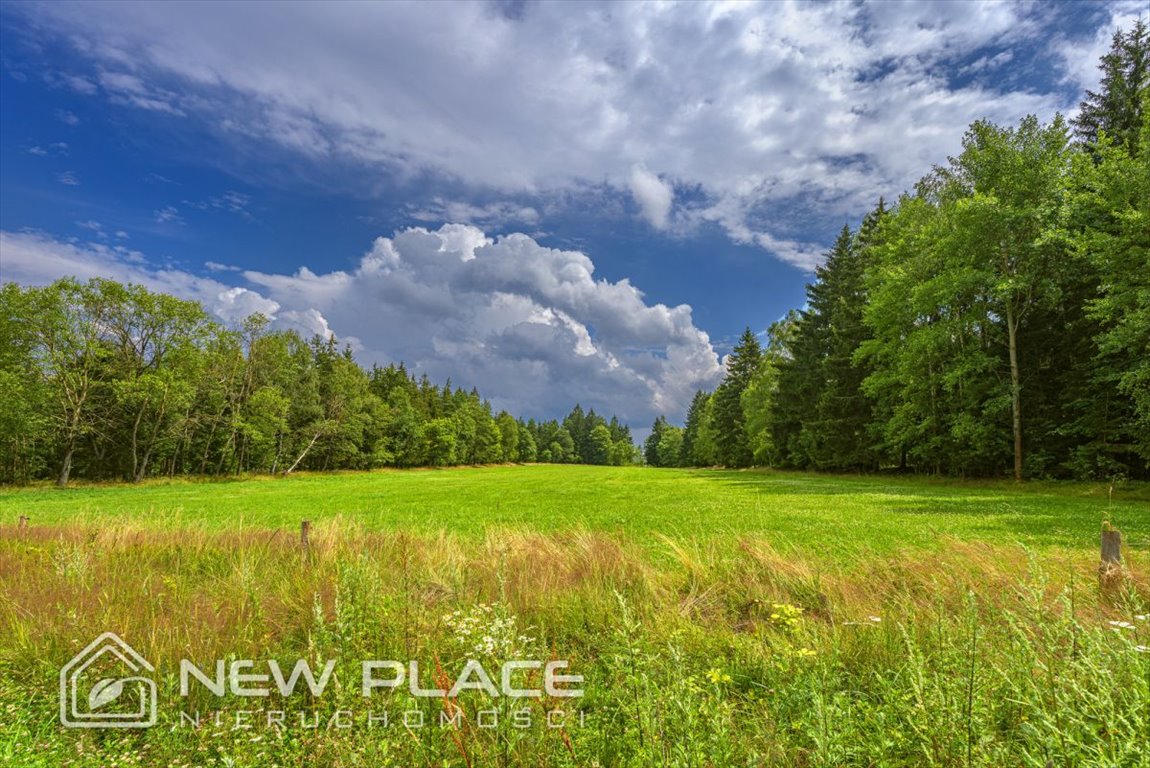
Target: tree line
(995,320)
(109,381)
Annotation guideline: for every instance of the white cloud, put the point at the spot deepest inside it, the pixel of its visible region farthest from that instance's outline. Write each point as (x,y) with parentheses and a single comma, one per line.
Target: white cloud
(68,179)
(1080,58)
(33,258)
(492,215)
(230,201)
(747,106)
(653,195)
(531,326)
(93,226)
(169,214)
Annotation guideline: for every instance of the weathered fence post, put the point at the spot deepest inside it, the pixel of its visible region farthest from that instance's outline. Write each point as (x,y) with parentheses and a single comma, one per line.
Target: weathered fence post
(1111,548)
(1110,575)
(304,530)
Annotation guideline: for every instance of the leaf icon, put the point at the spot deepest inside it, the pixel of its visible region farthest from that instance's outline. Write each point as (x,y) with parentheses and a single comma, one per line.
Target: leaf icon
(104,691)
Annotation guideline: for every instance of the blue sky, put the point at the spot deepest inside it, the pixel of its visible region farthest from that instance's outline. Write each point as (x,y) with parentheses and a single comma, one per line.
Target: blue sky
(554,202)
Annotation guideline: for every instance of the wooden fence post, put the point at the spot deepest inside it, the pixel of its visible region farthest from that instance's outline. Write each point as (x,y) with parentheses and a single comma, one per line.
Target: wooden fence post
(304,530)
(1111,549)
(1110,576)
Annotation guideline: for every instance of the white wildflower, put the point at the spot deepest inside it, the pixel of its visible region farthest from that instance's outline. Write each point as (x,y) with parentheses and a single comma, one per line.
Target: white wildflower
(1121,625)
(487,630)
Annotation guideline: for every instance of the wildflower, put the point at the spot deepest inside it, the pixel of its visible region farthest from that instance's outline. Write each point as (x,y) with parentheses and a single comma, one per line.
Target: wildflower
(1142,648)
(785,615)
(1142,617)
(1121,625)
(874,619)
(484,631)
(718,676)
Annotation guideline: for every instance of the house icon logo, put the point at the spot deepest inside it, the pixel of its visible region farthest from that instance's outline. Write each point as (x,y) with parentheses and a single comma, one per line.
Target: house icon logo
(104,686)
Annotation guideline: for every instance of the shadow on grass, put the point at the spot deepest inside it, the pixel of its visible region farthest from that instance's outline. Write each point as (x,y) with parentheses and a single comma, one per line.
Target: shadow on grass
(1041,513)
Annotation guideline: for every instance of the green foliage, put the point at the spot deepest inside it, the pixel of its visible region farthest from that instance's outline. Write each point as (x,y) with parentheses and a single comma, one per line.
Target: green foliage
(1118,110)
(698,448)
(599,445)
(113,381)
(1112,202)
(818,415)
(731,442)
(995,321)
(670,448)
(762,399)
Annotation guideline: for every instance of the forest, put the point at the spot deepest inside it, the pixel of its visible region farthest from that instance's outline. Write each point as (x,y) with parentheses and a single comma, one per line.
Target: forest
(995,321)
(112,381)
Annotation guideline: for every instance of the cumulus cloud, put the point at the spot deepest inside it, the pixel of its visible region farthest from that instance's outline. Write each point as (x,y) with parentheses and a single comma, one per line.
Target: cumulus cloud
(745,105)
(531,326)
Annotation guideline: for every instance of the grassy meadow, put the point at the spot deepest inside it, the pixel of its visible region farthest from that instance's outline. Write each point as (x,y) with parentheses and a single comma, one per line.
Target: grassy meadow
(718,618)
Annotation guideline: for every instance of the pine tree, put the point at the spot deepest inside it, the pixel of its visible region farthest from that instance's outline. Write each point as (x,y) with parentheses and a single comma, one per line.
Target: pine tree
(695,413)
(730,430)
(1117,109)
(651,444)
(835,438)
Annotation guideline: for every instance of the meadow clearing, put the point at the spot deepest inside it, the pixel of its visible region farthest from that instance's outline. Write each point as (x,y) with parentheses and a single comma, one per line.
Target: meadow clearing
(717,617)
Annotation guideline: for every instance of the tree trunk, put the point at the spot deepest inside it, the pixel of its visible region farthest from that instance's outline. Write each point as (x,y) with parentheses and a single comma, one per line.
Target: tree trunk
(305,450)
(66,468)
(136,444)
(1015,390)
(142,468)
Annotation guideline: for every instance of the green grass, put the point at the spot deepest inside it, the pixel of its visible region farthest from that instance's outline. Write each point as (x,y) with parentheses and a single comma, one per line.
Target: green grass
(718,618)
(841,514)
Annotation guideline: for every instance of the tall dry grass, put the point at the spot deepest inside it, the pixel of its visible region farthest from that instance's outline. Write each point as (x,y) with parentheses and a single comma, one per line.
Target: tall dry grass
(695,652)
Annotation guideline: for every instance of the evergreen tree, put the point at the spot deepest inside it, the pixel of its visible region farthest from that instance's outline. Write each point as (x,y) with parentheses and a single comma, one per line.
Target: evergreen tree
(729,419)
(651,444)
(1119,107)
(834,435)
(1112,203)
(688,456)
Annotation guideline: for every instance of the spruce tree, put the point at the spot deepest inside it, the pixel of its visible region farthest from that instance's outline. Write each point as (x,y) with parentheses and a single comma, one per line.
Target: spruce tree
(651,444)
(1117,108)
(730,430)
(835,438)
(688,456)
